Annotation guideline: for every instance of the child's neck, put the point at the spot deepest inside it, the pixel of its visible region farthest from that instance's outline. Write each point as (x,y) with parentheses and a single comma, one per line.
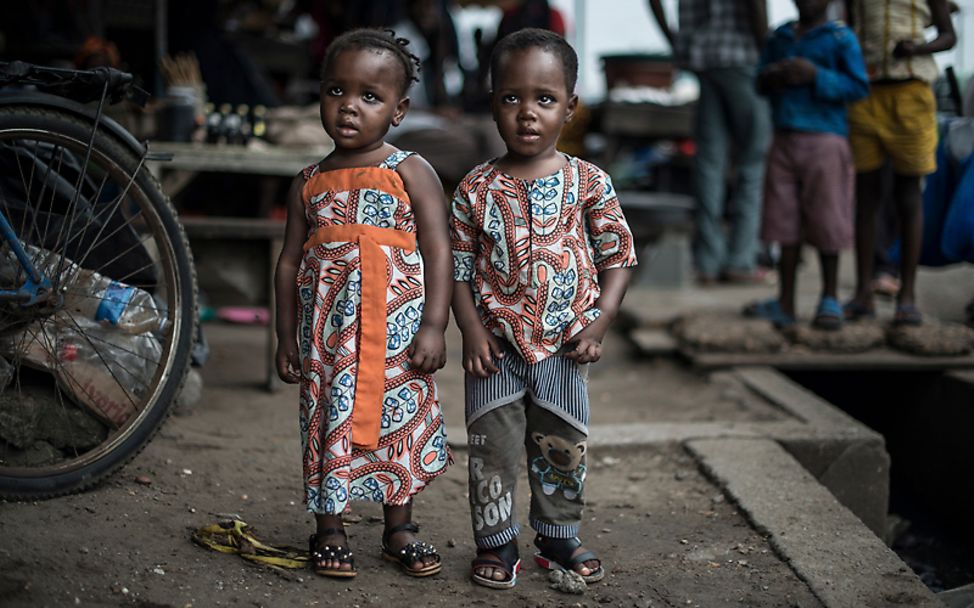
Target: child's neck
(811,23)
(533,167)
(341,158)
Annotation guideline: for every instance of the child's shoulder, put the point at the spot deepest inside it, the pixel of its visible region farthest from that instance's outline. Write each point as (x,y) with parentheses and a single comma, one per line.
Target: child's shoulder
(477,177)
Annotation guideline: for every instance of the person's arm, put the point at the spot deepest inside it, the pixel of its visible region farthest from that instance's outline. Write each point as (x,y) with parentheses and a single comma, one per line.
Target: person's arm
(480,347)
(613,283)
(945,40)
(849,81)
(427,352)
(285,285)
(659,13)
(757,20)
(614,256)
(769,72)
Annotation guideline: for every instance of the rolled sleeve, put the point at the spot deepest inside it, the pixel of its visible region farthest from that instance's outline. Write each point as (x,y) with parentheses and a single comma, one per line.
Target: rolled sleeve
(609,234)
(463,237)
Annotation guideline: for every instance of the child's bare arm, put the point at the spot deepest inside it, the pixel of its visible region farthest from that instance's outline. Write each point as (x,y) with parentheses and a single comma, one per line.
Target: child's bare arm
(587,344)
(427,351)
(945,40)
(285,285)
(479,345)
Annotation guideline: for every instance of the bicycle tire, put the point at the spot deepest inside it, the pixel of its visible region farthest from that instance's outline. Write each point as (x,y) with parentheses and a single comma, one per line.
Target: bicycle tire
(143,210)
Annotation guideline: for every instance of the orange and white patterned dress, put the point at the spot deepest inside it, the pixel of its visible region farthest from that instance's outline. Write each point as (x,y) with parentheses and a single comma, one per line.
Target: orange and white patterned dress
(371,427)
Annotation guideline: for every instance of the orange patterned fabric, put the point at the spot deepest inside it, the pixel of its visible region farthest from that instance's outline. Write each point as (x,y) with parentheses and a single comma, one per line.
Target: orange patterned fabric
(371,426)
(532,250)
(370,385)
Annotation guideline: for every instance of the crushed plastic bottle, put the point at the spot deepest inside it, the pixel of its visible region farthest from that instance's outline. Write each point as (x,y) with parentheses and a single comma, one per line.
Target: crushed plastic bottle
(105,370)
(90,294)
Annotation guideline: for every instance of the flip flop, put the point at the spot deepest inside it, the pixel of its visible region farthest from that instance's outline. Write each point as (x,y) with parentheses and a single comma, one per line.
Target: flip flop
(907,315)
(769,310)
(829,314)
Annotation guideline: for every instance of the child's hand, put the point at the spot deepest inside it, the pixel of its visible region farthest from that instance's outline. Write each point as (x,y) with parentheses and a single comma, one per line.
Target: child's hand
(479,351)
(586,345)
(904,49)
(427,351)
(798,71)
(288,362)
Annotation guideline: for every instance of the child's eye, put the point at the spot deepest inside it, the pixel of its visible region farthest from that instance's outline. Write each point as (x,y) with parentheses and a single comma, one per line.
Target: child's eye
(509,99)
(370,97)
(335,91)
(546,100)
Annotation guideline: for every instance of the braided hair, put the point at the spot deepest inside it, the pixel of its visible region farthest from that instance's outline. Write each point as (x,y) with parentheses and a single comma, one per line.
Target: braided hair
(378,40)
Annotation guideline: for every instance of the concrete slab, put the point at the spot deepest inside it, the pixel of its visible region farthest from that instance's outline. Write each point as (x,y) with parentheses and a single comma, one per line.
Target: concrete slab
(828,547)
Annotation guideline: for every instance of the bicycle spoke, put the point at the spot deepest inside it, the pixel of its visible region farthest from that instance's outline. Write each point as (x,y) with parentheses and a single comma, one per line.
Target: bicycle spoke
(108,367)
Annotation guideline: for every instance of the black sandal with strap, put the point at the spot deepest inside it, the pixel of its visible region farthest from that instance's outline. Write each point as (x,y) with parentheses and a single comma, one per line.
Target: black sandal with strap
(411,553)
(509,563)
(556,554)
(341,553)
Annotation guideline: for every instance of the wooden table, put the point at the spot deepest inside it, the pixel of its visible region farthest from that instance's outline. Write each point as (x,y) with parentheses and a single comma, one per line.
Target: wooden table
(189,160)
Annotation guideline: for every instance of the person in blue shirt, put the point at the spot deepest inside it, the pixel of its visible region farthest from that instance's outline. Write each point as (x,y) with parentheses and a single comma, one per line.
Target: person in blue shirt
(809,69)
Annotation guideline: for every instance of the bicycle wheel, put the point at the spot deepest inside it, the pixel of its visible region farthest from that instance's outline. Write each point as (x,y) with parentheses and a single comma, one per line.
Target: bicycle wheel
(88,374)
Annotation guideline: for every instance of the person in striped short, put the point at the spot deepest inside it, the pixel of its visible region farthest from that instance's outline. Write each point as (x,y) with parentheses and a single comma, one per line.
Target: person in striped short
(542,257)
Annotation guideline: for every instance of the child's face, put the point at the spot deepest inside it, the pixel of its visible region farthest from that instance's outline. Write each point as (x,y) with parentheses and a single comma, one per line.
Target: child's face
(361,98)
(812,10)
(531,102)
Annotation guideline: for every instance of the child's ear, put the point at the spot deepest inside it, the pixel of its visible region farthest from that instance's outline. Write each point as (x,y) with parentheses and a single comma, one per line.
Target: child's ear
(401,109)
(572,106)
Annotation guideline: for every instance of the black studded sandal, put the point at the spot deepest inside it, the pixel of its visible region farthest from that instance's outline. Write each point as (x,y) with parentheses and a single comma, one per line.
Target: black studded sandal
(329,553)
(414,552)
(556,554)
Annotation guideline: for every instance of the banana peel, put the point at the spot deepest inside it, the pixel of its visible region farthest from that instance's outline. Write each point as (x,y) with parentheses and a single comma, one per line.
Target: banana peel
(236,536)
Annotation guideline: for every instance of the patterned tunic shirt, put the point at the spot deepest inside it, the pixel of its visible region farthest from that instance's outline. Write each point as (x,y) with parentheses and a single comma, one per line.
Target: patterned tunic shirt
(532,250)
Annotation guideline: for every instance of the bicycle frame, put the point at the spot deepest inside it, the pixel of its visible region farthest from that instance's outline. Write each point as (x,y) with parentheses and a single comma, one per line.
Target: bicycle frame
(37,286)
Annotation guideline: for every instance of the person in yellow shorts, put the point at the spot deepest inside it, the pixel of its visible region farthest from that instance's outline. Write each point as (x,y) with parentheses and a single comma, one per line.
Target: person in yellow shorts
(896,123)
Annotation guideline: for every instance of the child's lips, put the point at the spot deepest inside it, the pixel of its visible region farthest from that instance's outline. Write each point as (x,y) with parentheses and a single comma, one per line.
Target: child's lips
(347,130)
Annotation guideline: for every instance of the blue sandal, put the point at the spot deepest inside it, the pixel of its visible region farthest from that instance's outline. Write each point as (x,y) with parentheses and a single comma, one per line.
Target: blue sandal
(854,311)
(829,314)
(769,310)
(907,315)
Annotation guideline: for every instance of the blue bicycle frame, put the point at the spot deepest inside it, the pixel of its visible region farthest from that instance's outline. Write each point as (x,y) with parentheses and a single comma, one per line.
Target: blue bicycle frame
(37,286)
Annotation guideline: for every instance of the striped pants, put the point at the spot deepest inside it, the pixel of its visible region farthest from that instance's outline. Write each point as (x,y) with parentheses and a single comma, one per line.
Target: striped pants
(516,408)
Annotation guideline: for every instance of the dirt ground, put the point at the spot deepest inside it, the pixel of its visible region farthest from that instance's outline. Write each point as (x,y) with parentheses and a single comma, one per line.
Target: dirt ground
(667,535)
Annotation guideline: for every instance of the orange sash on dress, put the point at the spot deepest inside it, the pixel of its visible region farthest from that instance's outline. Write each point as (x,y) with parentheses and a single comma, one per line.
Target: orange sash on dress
(370,381)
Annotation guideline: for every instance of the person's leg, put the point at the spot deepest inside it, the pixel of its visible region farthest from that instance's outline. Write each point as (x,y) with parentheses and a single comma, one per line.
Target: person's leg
(329,532)
(868,187)
(399,515)
(781,215)
(750,126)
(556,453)
(495,441)
(710,163)
(787,272)
(829,263)
(909,205)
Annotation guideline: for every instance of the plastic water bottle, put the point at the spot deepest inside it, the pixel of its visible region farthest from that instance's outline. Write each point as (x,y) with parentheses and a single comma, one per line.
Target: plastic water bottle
(91,295)
(104,370)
